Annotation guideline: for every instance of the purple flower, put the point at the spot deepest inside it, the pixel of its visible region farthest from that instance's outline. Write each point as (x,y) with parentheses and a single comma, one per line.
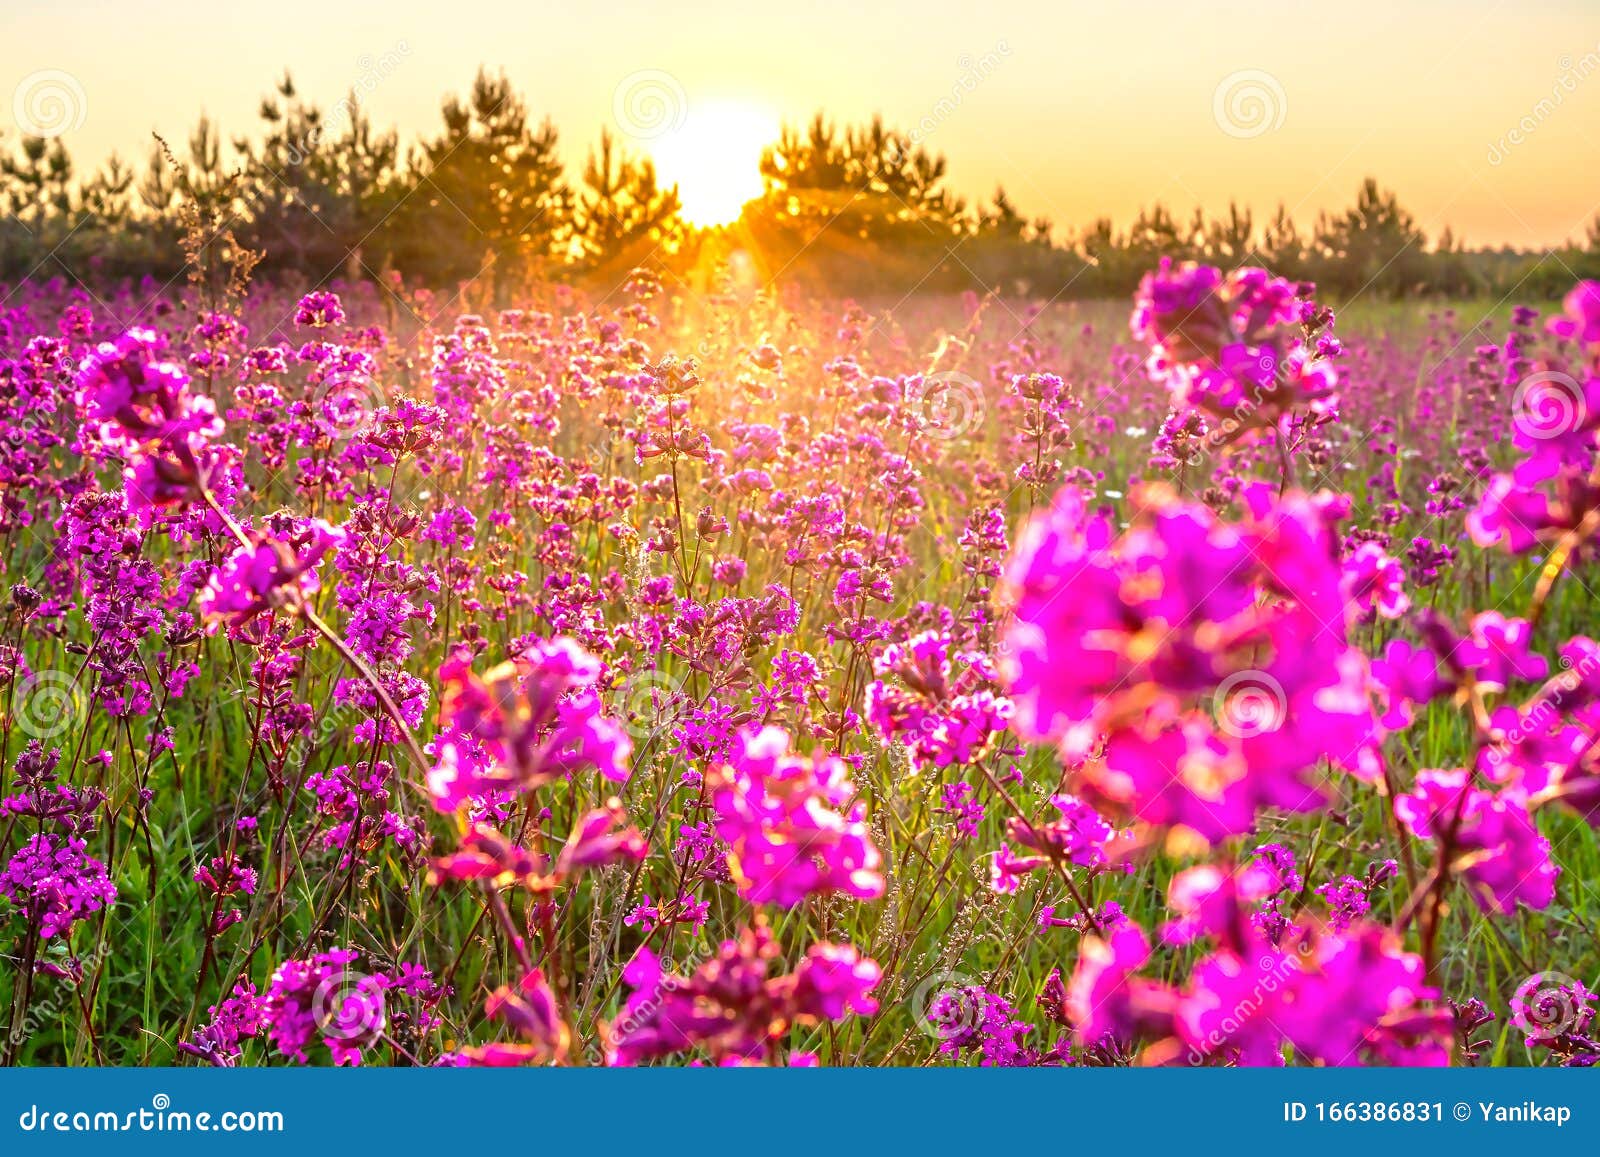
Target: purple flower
(323,999)
(1374,583)
(56,883)
(1580,317)
(319,309)
(732,1005)
(779,815)
(522,724)
(1206,664)
(1496,844)
(275,572)
(533,1013)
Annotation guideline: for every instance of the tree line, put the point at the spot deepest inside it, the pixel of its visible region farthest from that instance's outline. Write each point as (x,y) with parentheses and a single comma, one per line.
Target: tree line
(859,209)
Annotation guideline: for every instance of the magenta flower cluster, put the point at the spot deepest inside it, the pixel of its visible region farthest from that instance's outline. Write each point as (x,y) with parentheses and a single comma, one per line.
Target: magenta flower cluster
(1192,671)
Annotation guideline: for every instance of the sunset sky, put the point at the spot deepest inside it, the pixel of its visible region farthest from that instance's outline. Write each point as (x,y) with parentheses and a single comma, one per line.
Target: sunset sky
(1078,109)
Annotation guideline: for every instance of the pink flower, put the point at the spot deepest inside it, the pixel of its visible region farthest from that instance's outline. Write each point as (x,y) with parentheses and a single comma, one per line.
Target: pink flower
(1407,676)
(1374,583)
(319,309)
(1496,846)
(1208,662)
(1079,836)
(56,883)
(732,1006)
(324,999)
(140,408)
(1325,997)
(1580,318)
(779,815)
(832,981)
(485,854)
(523,724)
(1497,652)
(137,400)
(1006,869)
(1213,902)
(1334,999)
(533,1013)
(943,717)
(1509,515)
(1236,346)
(601,837)
(1105,998)
(275,572)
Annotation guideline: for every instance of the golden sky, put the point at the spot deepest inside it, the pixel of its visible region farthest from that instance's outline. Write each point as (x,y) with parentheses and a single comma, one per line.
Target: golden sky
(1482,115)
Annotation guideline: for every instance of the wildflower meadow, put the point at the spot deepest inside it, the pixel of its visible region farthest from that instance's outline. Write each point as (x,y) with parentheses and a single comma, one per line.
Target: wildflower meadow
(623,651)
(625,682)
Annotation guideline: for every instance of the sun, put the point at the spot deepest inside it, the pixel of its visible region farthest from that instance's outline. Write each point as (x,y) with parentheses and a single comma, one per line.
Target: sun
(714,158)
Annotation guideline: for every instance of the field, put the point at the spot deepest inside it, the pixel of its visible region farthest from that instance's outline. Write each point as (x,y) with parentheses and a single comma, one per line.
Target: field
(741,677)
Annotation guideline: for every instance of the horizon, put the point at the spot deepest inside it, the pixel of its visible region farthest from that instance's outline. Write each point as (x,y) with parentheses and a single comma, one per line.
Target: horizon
(1220,108)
